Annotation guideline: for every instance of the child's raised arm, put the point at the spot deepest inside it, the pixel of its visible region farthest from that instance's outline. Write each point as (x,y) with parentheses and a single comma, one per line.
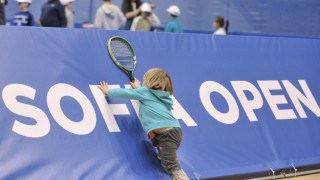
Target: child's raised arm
(123,93)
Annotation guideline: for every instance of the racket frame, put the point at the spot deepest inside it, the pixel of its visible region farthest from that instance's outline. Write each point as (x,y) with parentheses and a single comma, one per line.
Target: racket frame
(128,72)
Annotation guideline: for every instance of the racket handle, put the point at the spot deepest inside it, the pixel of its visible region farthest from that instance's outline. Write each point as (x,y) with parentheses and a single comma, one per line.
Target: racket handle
(131,76)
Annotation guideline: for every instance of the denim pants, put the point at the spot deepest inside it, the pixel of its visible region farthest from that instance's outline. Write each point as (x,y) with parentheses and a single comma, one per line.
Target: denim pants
(167,143)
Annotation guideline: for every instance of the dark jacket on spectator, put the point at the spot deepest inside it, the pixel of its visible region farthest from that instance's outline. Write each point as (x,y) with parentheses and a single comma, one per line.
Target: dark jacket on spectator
(53,14)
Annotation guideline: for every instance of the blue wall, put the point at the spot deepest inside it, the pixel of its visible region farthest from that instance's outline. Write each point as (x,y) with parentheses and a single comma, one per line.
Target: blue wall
(286,17)
(245,104)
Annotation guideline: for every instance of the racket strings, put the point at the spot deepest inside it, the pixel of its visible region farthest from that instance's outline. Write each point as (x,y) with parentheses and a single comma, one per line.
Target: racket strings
(123,54)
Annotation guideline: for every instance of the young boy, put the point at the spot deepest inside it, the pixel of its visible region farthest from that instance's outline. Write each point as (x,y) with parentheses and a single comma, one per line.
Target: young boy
(23,18)
(69,12)
(145,20)
(108,16)
(174,25)
(155,116)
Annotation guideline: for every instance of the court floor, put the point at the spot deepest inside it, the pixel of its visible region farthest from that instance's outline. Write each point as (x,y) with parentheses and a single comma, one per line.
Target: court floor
(305,177)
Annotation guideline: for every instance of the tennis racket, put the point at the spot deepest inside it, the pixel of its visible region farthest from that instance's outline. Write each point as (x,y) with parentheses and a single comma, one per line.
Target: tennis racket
(122,54)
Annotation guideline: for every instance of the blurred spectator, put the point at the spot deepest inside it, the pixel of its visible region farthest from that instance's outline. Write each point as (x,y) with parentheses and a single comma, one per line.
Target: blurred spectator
(174,25)
(108,16)
(69,12)
(24,17)
(2,12)
(218,25)
(131,9)
(145,20)
(52,15)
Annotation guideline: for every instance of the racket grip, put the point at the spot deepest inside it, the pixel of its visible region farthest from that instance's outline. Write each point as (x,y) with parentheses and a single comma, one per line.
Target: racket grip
(131,76)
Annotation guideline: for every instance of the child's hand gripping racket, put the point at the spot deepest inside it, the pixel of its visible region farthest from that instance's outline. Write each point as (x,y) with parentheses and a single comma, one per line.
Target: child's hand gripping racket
(122,55)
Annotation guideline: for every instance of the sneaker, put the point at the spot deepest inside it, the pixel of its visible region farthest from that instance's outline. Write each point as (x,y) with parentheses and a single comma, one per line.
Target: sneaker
(179,175)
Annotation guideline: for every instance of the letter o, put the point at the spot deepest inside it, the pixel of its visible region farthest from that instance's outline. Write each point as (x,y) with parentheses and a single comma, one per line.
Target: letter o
(227,118)
(54,96)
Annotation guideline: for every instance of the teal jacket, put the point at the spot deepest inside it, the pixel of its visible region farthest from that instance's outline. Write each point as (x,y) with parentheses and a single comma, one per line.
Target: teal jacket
(174,25)
(155,106)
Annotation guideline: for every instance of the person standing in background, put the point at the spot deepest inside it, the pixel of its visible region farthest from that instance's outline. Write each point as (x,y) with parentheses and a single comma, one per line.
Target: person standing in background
(24,17)
(52,15)
(69,12)
(146,20)
(174,25)
(218,24)
(108,16)
(131,9)
(3,12)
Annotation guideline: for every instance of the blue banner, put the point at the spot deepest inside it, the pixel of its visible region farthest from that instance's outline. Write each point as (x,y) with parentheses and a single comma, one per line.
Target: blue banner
(246,104)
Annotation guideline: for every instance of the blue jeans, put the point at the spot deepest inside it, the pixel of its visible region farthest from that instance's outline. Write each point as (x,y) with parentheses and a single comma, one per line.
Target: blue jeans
(128,24)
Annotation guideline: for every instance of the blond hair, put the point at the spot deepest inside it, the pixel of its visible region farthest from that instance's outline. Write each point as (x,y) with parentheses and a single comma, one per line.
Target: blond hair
(158,79)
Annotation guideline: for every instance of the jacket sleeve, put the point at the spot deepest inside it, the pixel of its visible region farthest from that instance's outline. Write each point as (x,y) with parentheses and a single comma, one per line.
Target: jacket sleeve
(30,20)
(98,21)
(168,28)
(154,20)
(123,93)
(62,15)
